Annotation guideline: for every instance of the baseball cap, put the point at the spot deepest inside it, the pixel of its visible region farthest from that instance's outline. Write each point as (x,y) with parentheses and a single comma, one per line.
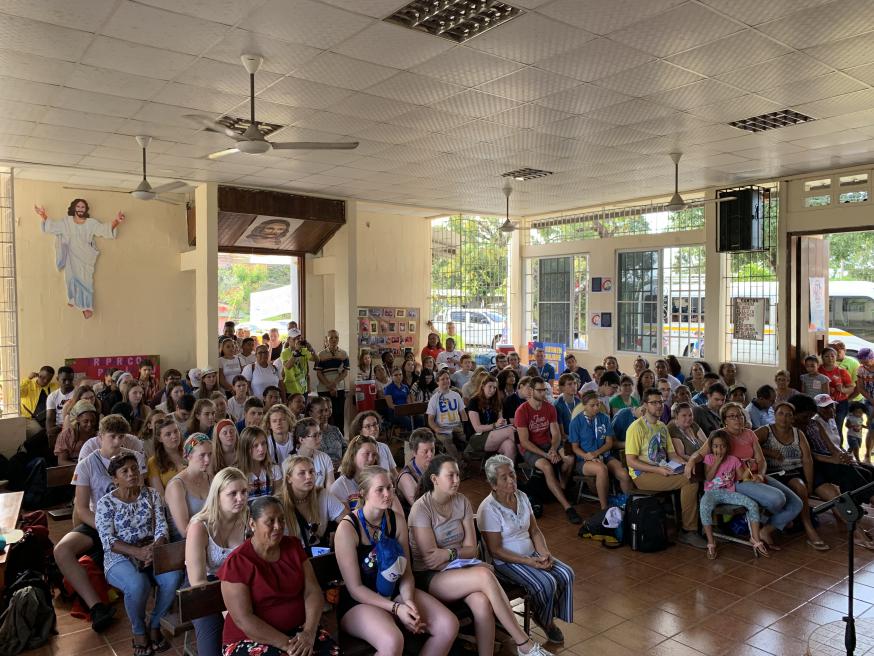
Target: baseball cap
(737,387)
(294,332)
(865,355)
(823,400)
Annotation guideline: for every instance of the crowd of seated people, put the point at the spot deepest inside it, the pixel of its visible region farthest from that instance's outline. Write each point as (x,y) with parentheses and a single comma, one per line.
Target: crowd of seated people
(255,471)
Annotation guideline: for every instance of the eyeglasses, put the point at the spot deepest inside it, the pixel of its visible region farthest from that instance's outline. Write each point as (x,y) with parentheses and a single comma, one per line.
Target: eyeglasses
(734,416)
(539,389)
(654,402)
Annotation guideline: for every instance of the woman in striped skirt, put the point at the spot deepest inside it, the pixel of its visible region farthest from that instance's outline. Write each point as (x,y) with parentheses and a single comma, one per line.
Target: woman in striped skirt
(519,550)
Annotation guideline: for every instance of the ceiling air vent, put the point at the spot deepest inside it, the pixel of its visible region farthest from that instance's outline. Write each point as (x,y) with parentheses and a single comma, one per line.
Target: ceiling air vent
(771,121)
(456,20)
(239,125)
(526,174)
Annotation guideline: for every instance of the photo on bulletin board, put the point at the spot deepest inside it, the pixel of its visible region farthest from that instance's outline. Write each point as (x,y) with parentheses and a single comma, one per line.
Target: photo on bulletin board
(402,326)
(374,327)
(606,319)
(362,312)
(411,327)
(383,326)
(392,327)
(596,319)
(596,284)
(388,312)
(400,312)
(363,326)
(408,340)
(412,313)
(607,284)
(375,312)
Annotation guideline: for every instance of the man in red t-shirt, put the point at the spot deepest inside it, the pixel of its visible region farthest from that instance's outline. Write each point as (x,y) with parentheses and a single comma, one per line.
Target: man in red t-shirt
(536,424)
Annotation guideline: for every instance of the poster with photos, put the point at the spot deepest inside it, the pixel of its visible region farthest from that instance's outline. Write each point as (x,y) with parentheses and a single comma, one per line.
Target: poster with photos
(388,329)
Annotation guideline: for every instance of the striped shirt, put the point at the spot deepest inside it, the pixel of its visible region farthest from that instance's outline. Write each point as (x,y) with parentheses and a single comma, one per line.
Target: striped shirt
(332,364)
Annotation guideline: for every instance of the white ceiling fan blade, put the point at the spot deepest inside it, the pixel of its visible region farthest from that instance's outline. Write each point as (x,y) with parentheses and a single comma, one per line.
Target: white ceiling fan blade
(704,201)
(211,125)
(170,186)
(222,153)
(315,145)
(108,190)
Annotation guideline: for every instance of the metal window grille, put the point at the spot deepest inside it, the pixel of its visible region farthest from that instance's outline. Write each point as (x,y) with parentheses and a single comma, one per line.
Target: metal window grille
(614,223)
(9,401)
(753,274)
(683,276)
(469,279)
(556,298)
(637,304)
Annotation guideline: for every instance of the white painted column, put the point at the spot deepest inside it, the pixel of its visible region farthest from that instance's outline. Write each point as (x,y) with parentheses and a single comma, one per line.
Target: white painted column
(206,273)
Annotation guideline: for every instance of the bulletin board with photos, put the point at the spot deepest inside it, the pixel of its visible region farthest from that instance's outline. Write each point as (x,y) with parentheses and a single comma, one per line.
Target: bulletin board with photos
(388,329)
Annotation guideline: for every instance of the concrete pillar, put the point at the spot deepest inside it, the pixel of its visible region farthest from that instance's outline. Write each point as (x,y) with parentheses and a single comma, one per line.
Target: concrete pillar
(515,308)
(206,273)
(715,303)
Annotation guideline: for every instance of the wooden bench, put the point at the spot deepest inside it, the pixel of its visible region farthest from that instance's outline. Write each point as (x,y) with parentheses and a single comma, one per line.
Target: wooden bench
(59,477)
(170,557)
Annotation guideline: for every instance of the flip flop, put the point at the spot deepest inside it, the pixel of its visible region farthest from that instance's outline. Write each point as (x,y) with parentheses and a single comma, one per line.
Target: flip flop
(865,544)
(819,545)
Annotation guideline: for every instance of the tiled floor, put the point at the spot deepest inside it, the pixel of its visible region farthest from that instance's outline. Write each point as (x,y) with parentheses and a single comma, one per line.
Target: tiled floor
(672,603)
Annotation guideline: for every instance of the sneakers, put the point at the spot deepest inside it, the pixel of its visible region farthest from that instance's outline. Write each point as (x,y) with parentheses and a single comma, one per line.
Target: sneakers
(101,616)
(572,515)
(692,539)
(536,650)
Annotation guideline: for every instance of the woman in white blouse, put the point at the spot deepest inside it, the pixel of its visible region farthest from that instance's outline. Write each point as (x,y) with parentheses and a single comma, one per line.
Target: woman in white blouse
(519,550)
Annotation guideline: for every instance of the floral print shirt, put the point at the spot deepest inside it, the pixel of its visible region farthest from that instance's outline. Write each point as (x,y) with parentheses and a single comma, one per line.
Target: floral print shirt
(130,522)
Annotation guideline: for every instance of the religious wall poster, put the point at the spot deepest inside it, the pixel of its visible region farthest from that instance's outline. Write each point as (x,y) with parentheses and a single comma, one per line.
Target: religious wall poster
(748,317)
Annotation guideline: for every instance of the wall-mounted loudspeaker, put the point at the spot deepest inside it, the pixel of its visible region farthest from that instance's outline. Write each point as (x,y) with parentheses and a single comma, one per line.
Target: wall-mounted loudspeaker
(741,221)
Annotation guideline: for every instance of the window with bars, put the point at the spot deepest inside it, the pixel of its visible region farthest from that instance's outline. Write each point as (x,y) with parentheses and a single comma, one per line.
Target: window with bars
(556,298)
(469,279)
(8,300)
(660,301)
(614,223)
(753,275)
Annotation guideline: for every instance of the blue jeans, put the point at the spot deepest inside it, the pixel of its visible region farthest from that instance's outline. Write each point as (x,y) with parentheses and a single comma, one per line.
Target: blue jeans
(136,587)
(208,632)
(783,504)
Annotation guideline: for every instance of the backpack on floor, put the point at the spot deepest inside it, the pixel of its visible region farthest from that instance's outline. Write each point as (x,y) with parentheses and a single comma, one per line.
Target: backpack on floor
(28,619)
(645,520)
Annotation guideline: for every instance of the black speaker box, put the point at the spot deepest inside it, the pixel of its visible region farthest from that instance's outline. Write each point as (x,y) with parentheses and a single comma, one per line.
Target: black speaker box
(741,221)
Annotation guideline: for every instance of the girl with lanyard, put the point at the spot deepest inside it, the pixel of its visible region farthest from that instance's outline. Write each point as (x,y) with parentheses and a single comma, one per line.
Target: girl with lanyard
(371,608)
(591,438)
(253,459)
(422,446)
(311,511)
(276,424)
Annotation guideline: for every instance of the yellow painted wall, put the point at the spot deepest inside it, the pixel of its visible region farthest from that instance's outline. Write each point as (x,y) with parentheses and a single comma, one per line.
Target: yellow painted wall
(143,302)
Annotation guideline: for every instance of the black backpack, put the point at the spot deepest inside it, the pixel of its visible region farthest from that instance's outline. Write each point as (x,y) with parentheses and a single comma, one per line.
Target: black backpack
(645,519)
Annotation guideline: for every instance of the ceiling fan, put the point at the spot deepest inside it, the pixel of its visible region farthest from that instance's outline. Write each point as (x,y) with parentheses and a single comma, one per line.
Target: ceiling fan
(508,226)
(144,190)
(252,140)
(676,203)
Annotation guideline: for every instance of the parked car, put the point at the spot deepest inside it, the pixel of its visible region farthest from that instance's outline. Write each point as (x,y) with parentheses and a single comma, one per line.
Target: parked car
(477,327)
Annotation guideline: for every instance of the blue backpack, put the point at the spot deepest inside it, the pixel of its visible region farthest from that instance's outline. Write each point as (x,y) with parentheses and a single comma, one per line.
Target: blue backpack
(390,559)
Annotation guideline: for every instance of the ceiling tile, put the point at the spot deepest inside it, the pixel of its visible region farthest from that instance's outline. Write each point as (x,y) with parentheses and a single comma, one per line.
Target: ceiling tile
(416,89)
(21,110)
(604,16)
(167,115)
(782,70)
(575,126)
(372,107)
(864,73)
(648,79)
(207,100)
(97,103)
(92,137)
(88,78)
(25,35)
(393,134)
(530,38)
(528,116)
(34,68)
(823,23)
(845,53)
(35,93)
(224,77)
(475,104)
(74,119)
(136,59)
(632,111)
(671,124)
(582,99)
(303,21)
(825,86)
(76,15)
(341,71)
(754,12)
(303,93)
(735,51)
(850,102)
(15,127)
(528,84)
(392,45)
(273,112)
(428,118)
(373,8)
(596,59)
(162,29)
(675,30)
(735,109)
(229,12)
(699,93)
(334,123)
(279,56)
(466,67)
(51,156)
(470,133)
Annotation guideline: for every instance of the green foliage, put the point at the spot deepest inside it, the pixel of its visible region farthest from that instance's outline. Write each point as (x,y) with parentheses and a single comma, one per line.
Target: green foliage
(469,262)
(851,255)
(238,281)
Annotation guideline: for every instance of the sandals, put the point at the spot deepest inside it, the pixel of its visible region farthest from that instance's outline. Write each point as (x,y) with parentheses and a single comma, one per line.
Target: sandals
(159,643)
(761,548)
(711,551)
(142,649)
(819,545)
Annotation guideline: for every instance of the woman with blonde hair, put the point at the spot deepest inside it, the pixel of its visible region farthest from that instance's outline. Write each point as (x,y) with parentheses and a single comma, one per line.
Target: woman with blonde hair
(202,418)
(168,460)
(307,440)
(253,459)
(311,511)
(224,446)
(368,608)
(213,533)
(186,492)
(276,424)
(472,386)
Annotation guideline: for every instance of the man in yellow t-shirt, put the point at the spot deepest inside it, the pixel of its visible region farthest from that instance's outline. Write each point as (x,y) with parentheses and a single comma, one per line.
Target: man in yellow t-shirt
(34,393)
(647,443)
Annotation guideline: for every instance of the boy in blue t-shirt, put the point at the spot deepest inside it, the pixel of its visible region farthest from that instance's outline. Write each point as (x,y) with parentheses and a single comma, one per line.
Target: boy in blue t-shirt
(566,402)
(396,393)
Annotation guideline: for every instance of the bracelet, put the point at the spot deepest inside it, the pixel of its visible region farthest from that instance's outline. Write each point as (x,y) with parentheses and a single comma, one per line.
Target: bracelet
(453,554)
(394,609)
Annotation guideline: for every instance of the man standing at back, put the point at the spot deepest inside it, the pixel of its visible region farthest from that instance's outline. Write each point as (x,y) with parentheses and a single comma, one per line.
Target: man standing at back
(332,367)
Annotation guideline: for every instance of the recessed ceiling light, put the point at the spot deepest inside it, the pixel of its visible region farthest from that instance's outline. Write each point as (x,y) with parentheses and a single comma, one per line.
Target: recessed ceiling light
(526,173)
(456,20)
(771,121)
